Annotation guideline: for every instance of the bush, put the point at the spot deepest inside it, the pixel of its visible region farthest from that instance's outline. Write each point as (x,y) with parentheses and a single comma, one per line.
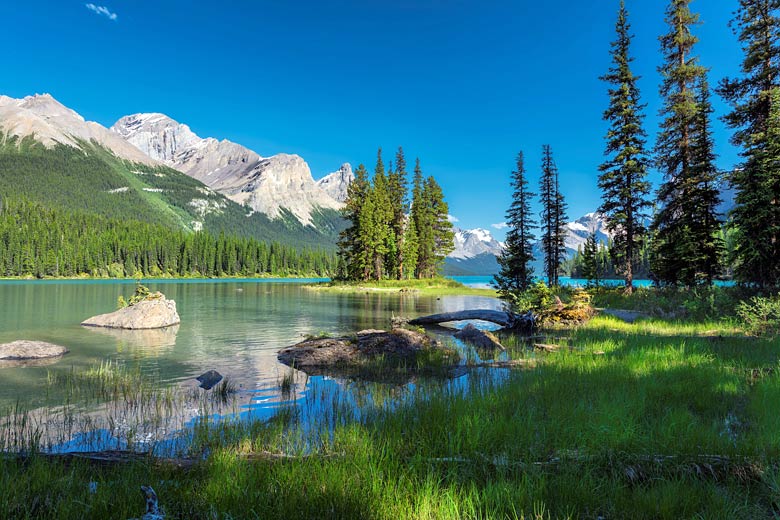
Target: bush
(760,315)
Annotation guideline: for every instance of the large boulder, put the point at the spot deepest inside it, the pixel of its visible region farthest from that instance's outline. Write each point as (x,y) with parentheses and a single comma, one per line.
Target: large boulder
(154,312)
(398,345)
(23,350)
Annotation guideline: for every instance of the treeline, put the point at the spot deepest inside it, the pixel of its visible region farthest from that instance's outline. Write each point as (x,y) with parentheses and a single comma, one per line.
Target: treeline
(685,244)
(593,262)
(389,236)
(38,241)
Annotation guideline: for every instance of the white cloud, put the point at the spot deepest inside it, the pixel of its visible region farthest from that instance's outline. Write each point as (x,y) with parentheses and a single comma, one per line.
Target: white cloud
(99,9)
(453,219)
(500,225)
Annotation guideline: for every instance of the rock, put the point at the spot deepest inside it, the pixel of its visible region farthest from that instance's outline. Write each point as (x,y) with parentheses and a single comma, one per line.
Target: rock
(337,183)
(155,312)
(27,350)
(479,338)
(398,344)
(209,380)
(268,185)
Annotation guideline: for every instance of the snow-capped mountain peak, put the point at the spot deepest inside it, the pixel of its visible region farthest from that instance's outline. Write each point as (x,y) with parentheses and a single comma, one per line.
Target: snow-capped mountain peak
(474,242)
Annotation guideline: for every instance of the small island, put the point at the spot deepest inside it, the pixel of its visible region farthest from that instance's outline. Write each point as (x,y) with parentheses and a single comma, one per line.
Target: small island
(144,310)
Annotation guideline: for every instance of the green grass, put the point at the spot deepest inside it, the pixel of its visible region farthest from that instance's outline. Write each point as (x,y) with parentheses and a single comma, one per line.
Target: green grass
(657,419)
(427,287)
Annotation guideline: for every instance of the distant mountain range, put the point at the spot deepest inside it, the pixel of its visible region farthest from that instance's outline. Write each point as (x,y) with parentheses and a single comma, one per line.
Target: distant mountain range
(476,249)
(149,167)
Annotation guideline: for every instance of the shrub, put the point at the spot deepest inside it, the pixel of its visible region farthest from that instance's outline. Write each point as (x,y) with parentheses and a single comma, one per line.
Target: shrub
(760,315)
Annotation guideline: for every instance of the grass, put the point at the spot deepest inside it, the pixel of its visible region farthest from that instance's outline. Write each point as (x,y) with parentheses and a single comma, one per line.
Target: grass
(656,419)
(430,287)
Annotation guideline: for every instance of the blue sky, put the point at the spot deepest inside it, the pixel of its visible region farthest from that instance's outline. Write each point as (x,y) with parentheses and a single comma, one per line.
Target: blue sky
(464,85)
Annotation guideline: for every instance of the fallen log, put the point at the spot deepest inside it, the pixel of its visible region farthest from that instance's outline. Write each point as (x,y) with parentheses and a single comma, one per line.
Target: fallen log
(508,320)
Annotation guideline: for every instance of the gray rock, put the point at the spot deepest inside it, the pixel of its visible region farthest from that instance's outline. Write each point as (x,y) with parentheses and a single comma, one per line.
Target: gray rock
(209,380)
(337,183)
(154,313)
(479,338)
(26,350)
(266,184)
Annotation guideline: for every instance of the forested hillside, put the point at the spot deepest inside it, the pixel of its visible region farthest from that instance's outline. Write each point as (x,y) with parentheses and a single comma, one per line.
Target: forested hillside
(93,180)
(39,241)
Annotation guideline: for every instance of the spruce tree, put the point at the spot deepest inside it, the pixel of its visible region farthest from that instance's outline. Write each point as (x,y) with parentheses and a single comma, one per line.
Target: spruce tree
(553,218)
(420,215)
(756,217)
(410,248)
(441,228)
(351,250)
(685,244)
(381,236)
(516,274)
(591,270)
(623,175)
(397,186)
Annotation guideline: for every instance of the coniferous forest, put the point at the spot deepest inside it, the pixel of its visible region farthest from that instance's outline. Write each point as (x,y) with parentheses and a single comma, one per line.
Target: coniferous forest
(44,242)
(389,236)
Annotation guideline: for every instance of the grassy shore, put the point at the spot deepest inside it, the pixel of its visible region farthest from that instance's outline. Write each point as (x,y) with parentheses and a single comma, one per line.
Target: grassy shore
(431,287)
(655,419)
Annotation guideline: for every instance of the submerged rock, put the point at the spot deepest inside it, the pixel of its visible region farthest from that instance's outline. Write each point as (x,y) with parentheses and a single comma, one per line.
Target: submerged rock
(356,350)
(209,380)
(24,350)
(479,338)
(155,312)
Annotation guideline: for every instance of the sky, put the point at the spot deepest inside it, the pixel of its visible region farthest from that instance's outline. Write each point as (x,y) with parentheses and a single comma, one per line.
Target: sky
(463,85)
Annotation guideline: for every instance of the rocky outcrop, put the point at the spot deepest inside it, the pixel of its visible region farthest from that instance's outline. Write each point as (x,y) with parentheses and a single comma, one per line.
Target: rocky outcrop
(24,350)
(154,312)
(479,338)
(337,183)
(52,123)
(268,185)
(354,351)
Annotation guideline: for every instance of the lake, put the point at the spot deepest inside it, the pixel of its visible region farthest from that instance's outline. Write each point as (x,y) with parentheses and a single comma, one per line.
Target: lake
(233,326)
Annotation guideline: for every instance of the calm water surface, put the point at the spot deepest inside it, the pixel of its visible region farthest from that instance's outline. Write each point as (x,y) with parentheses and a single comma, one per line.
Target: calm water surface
(233,326)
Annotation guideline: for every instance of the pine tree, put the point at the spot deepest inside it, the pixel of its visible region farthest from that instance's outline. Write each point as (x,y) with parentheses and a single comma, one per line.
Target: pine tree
(623,175)
(380,235)
(590,261)
(516,274)
(397,185)
(553,218)
(685,245)
(351,249)
(410,248)
(421,218)
(756,217)
(441,227)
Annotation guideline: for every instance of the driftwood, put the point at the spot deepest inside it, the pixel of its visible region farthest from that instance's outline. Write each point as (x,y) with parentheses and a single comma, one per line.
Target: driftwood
(525,322)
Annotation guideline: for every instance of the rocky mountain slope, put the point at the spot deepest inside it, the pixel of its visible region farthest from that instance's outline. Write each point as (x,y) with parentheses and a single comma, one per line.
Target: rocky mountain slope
(269,185)
(336,184)
(474,242)
(50,155)
(52,123)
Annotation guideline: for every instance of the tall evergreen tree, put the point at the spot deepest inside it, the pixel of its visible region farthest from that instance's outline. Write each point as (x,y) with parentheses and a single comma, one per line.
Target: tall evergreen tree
(516,274)
(756,217)
(590,262)
(623,175)
(381,235)
(441,227)
(351,250)
(398,188)
(421,218)
(553,217)
(685,248)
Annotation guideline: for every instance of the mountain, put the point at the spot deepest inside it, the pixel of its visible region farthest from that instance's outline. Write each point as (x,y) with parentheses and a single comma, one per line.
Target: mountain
(580,229)
(335,184)
(51,156)
(272,185)
(474,242)
(52,123)
(474,254)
